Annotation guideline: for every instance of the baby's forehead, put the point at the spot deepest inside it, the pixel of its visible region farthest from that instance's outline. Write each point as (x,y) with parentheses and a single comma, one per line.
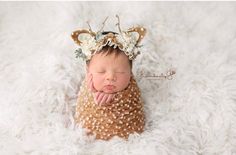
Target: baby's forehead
(105,55)
(102,59)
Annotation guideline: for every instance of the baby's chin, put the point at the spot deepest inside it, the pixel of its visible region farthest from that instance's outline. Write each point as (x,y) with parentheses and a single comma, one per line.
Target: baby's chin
(112,91)
(109,91)
(105,90)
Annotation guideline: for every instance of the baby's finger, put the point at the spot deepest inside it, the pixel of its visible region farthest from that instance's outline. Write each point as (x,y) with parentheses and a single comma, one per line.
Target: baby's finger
(104,99)
(88,76)
(97,94)
(110,97)
(99,98)
(91,86)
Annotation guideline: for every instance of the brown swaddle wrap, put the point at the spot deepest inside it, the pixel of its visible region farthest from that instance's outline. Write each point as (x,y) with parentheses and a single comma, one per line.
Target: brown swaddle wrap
(123,116)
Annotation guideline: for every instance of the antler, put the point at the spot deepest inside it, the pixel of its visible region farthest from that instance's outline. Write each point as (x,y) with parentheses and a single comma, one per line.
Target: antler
(118,24)
(90,29)
(103,24)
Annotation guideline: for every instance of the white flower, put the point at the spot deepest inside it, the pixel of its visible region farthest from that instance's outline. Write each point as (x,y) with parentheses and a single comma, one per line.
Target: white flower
(128,40)
(87,45)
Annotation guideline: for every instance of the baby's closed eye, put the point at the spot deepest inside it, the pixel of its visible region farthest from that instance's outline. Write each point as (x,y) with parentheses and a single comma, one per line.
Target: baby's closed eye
(120,72)
(116,71)
(101,71)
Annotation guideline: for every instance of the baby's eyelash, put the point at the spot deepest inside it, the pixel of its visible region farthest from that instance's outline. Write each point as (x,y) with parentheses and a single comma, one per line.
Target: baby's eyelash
(120,72)
(101,72)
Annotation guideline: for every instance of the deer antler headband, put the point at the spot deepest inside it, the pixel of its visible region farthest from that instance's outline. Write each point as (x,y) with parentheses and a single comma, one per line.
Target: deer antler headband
(90,42)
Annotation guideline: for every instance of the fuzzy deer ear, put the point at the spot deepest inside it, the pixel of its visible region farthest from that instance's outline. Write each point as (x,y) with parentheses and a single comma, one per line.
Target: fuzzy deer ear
(138,32)
(82,36)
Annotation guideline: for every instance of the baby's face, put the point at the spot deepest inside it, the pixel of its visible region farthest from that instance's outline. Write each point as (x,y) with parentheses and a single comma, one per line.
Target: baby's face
(110,73)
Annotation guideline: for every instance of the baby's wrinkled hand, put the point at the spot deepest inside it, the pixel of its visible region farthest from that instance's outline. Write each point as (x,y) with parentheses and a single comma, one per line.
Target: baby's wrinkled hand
(102,98)
(89,80)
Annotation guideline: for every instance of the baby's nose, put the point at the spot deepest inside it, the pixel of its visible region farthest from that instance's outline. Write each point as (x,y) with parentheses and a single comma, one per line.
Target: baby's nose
(111,76)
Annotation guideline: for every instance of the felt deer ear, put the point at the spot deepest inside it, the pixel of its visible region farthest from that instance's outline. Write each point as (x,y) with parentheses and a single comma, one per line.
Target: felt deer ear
(82,36)
(139,32)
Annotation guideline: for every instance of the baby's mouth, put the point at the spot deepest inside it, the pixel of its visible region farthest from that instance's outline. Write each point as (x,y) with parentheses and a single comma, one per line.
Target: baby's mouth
(109,87)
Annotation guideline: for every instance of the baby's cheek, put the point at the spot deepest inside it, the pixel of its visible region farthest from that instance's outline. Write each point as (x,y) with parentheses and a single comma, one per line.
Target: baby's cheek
(97,82)
(123,83)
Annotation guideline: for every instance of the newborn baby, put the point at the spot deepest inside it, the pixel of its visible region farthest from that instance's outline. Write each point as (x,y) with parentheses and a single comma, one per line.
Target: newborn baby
(109,102)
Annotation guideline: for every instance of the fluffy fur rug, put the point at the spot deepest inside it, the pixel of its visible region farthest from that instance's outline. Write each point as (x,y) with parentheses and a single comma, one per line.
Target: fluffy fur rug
(193,114)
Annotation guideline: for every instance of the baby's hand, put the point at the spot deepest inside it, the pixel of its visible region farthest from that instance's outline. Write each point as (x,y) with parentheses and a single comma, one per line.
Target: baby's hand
(89,80)
(100,98)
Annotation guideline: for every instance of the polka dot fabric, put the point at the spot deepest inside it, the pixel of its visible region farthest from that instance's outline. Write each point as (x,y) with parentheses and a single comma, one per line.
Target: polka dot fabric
(122,117)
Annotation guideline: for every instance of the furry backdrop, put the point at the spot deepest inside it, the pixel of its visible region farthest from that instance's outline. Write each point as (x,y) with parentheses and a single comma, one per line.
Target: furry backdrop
(193,114)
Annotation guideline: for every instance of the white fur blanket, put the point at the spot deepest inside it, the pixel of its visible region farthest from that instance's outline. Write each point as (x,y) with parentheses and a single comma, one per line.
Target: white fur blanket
(193,114)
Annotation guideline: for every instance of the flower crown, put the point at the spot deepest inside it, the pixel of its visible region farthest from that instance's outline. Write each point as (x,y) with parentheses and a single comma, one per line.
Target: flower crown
(90,42)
